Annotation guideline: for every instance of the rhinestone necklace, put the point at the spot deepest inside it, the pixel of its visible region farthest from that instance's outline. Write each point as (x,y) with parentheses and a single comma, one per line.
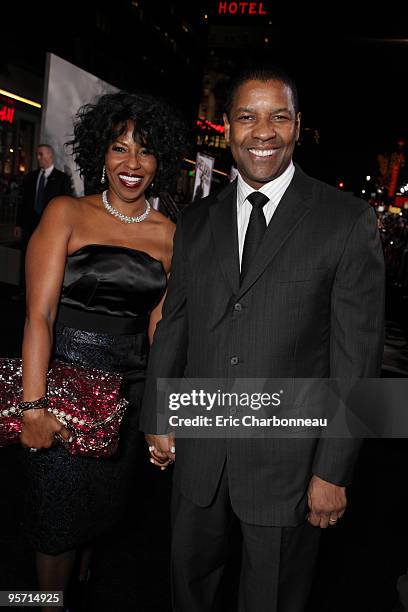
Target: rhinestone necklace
(121,216)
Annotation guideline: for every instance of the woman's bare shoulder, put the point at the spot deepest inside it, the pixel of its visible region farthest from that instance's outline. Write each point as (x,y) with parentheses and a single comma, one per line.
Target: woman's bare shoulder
(69,207)
(164,224)
(164,234)
(61,207)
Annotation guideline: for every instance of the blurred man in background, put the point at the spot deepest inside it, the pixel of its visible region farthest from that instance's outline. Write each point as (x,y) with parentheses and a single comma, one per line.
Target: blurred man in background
(39,187)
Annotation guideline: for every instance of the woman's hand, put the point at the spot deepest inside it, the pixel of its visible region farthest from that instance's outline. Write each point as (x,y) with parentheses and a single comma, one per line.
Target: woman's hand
(162,449)
(39,429)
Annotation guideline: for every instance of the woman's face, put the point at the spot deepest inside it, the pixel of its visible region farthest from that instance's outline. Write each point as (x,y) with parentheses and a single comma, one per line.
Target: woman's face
(130,168)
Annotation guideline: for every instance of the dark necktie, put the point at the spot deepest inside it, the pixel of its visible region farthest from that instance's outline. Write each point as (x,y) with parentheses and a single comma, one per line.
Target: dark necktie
(255,231)
(39,198)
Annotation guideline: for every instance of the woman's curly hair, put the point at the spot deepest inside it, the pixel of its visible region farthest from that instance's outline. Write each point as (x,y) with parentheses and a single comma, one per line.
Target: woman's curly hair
(157,126)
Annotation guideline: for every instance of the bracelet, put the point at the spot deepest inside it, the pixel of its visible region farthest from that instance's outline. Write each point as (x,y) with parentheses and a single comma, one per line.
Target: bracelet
(37,404)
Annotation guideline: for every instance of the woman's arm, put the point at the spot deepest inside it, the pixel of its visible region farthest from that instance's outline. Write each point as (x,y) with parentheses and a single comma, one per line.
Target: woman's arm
(155,317)
(162,448)
(166,247)
(159,457)
(45,264)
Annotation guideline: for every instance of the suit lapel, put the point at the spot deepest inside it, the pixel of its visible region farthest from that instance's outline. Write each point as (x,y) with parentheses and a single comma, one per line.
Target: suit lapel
(293,207)
(34,179)
(223,220)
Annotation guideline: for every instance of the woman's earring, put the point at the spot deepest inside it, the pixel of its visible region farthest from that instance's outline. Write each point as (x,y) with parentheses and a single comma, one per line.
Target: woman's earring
(103,178)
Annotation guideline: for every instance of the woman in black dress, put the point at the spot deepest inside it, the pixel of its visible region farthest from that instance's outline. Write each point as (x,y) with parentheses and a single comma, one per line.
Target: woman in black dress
(96,272)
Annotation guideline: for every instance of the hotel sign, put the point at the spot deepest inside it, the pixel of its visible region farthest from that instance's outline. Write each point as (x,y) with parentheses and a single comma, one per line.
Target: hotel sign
(224,7)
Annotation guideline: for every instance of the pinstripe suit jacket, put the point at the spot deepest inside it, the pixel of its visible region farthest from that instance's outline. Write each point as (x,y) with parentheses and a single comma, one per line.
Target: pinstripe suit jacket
(312,307)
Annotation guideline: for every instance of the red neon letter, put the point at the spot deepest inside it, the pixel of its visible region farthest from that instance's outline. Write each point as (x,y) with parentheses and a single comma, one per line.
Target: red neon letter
(261,11)
(252,8)
(233,8)
(222,8)
(242,6)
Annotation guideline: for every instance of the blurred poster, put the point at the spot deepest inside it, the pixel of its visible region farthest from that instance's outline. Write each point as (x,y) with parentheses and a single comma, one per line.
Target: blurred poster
(233,174)
(203,175)
(66,88)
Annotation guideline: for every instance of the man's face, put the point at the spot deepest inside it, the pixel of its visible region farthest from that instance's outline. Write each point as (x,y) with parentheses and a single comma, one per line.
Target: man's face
(44,157)
(262,130)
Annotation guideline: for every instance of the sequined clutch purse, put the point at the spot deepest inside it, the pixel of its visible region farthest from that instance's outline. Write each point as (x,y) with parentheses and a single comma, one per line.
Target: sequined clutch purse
(88,402)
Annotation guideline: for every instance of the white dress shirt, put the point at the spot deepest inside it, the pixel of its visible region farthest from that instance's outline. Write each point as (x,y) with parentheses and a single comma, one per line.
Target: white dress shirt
(273,190)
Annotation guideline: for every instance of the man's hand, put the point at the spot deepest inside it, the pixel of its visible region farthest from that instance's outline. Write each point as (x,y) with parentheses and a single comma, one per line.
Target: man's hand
(162,449)
(327,502)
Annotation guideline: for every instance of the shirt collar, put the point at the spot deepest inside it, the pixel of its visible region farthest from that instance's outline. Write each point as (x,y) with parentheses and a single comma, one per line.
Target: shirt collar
(48,171)
(274,188)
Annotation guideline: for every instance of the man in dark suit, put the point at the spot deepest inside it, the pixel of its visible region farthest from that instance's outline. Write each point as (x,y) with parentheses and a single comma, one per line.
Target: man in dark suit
(277,276)
(39,187)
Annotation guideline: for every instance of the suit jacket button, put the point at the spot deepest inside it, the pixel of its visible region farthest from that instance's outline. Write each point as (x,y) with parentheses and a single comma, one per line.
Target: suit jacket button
(238,307)
(234,360)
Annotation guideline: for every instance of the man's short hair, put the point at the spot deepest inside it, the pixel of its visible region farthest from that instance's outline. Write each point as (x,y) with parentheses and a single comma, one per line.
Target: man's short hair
(262,73)
(43,144)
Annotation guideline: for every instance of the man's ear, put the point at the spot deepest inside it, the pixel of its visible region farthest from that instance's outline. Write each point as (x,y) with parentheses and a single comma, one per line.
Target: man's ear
(298,118)
(226,127)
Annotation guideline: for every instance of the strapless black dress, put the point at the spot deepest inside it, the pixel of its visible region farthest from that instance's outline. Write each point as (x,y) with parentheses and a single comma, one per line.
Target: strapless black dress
(107,296)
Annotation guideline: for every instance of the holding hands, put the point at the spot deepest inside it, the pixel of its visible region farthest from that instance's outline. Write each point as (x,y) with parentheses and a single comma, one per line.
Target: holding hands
(162,449)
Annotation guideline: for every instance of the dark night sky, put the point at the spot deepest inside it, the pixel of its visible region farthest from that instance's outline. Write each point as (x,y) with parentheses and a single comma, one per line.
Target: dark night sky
(353,87)
(351,70)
